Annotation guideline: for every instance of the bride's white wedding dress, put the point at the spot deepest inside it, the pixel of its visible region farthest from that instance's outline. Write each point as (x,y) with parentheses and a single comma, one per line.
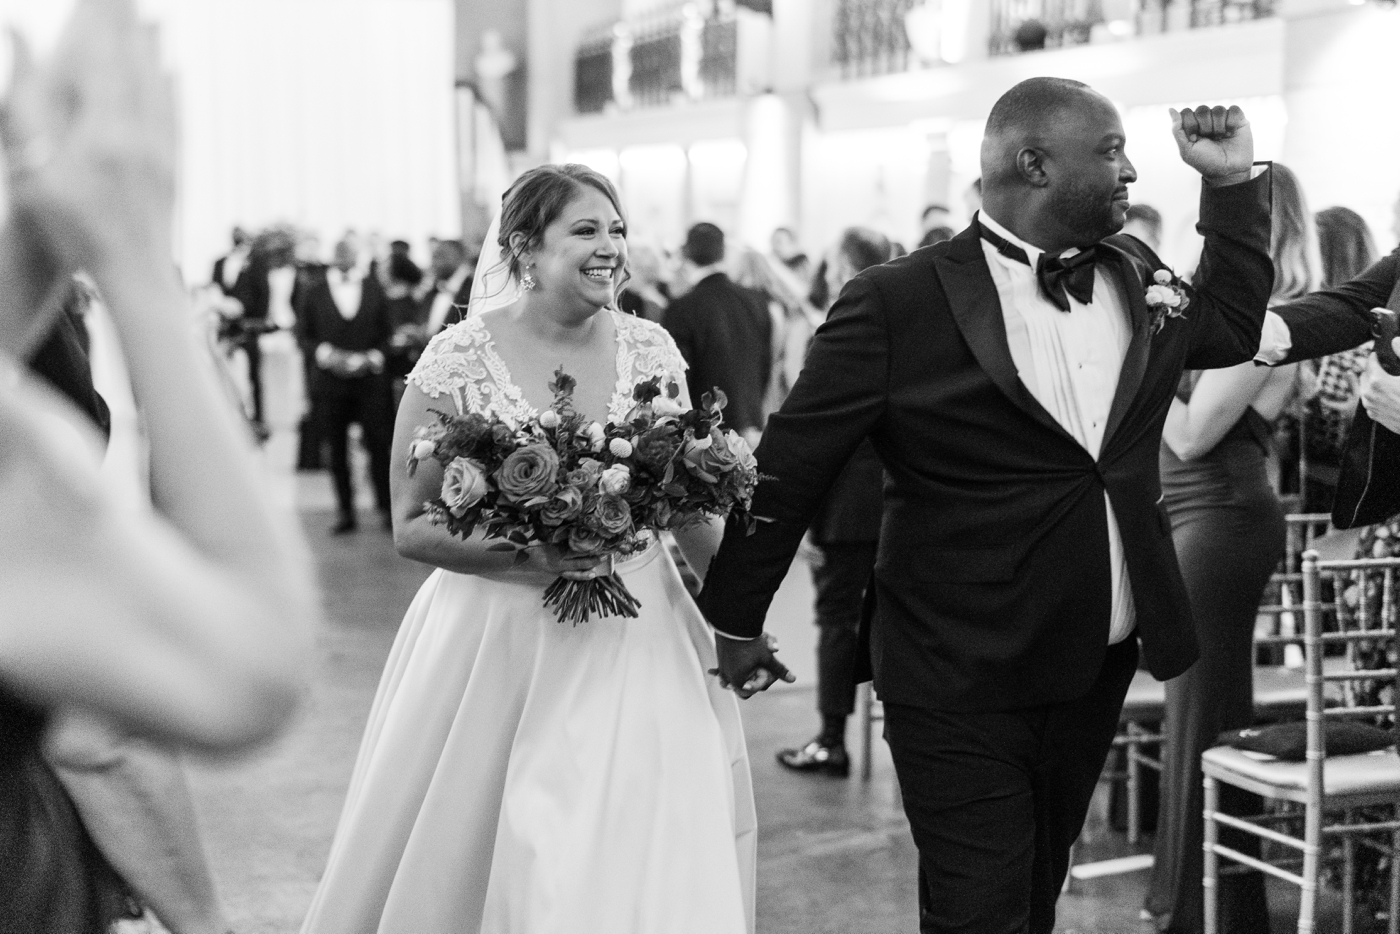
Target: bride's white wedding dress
(523,776)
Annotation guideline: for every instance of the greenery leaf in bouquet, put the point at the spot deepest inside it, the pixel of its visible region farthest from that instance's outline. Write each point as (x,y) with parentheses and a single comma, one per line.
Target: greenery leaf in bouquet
(563,388)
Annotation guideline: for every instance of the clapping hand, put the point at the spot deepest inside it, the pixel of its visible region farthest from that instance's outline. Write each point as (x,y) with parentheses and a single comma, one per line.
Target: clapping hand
(90,139)
(1380,393)
(1215,141)
(747,666)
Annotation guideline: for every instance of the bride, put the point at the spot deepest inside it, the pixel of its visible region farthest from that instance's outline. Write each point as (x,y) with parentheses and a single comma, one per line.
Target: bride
(519,775)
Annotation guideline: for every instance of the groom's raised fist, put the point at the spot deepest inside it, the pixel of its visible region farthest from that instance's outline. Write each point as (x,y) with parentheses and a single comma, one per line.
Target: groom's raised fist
(1215,141)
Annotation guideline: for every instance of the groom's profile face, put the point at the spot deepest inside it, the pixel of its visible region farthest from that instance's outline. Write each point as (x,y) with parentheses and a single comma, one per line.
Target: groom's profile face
(1088,169)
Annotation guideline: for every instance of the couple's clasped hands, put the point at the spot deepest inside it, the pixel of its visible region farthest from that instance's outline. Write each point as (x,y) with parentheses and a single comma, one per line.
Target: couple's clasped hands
(747,666)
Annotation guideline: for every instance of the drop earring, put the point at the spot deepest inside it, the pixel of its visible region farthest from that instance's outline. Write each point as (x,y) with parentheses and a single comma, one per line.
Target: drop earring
(527,280)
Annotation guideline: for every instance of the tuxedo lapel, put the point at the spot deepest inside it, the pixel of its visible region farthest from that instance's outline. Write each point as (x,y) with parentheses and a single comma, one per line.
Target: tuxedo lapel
(972,297)
(1132,277)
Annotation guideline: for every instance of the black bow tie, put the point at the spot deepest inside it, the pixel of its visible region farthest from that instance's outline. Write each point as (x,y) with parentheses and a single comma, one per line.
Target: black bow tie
(1055,273)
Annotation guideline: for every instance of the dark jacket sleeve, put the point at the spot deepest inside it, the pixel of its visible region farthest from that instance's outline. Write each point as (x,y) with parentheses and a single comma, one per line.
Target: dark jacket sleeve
(306,319)
(837,401)
(1337,319)
(383,317)
(1235,275)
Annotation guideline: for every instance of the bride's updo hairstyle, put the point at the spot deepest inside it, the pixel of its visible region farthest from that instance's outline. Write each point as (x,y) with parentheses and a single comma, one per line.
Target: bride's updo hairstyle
(537,199)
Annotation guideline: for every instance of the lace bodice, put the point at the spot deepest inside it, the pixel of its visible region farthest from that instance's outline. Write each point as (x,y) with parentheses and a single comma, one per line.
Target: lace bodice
(462,362)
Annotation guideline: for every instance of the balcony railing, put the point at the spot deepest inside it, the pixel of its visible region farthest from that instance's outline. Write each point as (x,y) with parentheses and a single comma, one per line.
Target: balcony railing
(869,37)
(1029,25)
(683,52)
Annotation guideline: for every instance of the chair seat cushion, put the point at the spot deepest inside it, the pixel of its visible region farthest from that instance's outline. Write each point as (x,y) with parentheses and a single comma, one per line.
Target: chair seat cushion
(1289,741)
(1366,773)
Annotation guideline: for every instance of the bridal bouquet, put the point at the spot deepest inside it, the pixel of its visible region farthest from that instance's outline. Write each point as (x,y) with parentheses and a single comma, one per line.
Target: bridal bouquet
(589,489)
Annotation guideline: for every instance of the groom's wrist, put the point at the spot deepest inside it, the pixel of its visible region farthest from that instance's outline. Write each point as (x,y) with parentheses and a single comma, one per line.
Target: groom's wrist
(727,635)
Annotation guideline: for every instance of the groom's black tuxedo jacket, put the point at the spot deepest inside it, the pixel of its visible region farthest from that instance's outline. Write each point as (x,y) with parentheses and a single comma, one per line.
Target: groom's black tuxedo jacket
(992,587)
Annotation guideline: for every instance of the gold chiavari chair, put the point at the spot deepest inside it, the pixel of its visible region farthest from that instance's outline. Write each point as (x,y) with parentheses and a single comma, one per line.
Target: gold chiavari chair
(1362,608)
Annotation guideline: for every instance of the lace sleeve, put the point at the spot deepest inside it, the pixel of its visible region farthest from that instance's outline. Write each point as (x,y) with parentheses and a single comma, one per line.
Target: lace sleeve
(449,364)
(654,352)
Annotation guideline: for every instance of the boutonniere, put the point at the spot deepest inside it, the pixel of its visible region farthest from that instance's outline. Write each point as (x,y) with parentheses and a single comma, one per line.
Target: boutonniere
(1166,298)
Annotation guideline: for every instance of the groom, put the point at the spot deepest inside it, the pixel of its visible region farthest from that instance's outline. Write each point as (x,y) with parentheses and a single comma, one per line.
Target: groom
(1014,382)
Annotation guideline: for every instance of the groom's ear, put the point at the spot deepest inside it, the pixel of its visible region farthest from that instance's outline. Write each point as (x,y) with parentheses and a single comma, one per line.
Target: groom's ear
(1030,164)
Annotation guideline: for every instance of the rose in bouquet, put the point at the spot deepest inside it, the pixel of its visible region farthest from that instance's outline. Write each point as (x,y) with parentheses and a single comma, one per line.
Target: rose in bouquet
(588,489)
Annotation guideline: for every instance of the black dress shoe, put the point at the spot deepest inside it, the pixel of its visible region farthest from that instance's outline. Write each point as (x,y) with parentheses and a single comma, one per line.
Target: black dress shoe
(344,525)
(815,757)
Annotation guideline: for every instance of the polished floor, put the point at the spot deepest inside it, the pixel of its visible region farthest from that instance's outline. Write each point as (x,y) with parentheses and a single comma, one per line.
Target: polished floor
(835,855)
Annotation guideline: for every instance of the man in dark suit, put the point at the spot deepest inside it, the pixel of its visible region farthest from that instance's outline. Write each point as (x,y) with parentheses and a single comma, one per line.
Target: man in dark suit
(344,327)
(228,267)
(1339,319)
(267,288)
(445,302)
(723,331)
(845,533)
(1014,381)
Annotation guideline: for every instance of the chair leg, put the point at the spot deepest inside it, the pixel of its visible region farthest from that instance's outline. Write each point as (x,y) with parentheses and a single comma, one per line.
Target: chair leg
(1312,867)
(1134,784)
(866,703)
(1348,880)
(1211,868)
(1393,922)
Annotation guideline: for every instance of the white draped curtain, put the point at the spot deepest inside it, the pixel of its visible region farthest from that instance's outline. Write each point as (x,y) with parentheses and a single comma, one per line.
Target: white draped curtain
(328,114)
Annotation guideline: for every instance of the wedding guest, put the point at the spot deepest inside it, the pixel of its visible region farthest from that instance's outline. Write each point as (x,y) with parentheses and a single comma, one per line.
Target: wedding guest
(973,196)
(345,329)
(190,624)
(1144,222)
(1022,552)
(643,294)
(408,270)
(1337,319)
(228,267)
(936,235)
(1347,249)
(132,796)
(1228,529)
(445,303)
(1380,393)
(307,252)
(266,288)
(409,333)
(789,252)
(723,331)
(934,217)
(846,532)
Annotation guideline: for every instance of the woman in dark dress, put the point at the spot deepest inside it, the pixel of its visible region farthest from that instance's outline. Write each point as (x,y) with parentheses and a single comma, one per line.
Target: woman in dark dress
(1229,533)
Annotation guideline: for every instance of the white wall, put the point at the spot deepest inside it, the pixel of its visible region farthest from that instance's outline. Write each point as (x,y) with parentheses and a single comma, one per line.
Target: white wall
(1344,119)
(325,113)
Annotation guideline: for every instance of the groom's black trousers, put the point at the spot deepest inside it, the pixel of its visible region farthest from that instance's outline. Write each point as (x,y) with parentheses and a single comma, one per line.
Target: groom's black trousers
(995,800)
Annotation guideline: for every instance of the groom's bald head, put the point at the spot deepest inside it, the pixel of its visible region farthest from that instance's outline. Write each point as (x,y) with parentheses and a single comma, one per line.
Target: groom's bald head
(1053,163)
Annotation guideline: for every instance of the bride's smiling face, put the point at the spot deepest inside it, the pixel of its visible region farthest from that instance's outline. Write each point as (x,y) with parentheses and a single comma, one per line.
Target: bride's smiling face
(583,252)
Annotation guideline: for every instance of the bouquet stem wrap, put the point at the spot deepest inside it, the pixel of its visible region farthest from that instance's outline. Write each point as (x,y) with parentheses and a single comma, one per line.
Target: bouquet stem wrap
(576,601)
